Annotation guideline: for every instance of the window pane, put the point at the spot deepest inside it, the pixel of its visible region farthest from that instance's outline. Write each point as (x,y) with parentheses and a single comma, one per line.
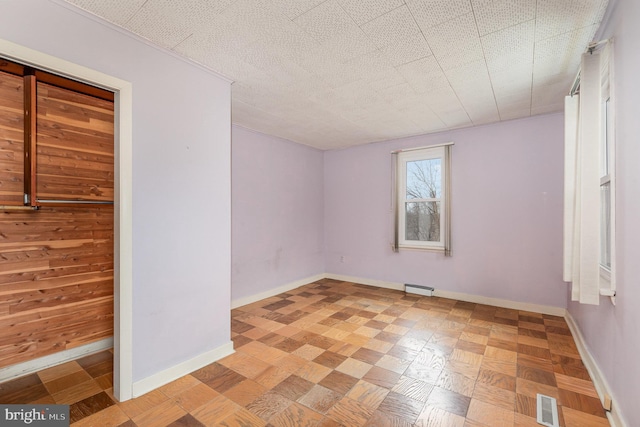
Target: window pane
(424,179)
(605,225)
(422,221)
(605,140)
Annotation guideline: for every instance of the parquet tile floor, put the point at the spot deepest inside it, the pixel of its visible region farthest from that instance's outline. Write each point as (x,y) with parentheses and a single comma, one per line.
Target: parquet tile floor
(341,354)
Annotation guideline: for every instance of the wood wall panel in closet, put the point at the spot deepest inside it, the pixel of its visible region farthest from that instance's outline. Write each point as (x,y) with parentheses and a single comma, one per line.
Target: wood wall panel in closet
(57,262)
(56,280)
(11,139)
(74,146)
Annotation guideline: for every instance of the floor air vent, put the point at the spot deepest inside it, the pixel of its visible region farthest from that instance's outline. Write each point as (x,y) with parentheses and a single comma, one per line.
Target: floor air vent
(547,411)
(418,289)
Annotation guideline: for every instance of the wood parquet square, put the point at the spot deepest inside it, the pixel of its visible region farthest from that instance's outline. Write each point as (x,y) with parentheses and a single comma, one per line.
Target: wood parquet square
(335,353)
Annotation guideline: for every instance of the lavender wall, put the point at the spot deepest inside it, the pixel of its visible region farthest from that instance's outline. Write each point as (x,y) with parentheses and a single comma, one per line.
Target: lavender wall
(277,204)
(612,332)
(507,213)
(181,179)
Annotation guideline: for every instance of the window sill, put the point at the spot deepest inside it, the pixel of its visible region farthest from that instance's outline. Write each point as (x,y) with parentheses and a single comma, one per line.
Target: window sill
(421,248)
(607,287)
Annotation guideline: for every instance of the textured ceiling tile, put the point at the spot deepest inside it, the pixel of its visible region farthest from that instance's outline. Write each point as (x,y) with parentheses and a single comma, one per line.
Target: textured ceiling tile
(423,116)
(281,70)
(455,118)
(392,27)
(558,17)
(363,11)
(385,79)
(431,13)
(470,75)
(292,42)
(348,45)
(251,117)
(336,73)
(443,99)
(512,112)
(116,11)
(559,54)
(483,113)
(508,82)
(333,74)
(511,47)
(407,50)
(294,8)
(424,75)
(169,22)
(326,21)
(494,15)
(400,96)
(455,42)
(514,106)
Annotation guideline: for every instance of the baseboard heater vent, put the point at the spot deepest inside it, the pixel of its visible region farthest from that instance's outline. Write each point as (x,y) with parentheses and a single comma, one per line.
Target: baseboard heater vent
(418,289)
(547,411)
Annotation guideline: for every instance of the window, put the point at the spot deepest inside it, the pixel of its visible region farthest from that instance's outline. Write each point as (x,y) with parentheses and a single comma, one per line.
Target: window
(607,181)
(589,210)
(422,198)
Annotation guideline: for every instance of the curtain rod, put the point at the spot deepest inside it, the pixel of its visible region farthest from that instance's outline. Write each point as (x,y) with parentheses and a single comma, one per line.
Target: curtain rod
(421,148)
(576,82)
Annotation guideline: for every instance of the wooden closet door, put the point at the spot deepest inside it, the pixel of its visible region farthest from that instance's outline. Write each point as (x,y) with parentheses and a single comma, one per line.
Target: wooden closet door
(11,139)
(56,263)
(75,148)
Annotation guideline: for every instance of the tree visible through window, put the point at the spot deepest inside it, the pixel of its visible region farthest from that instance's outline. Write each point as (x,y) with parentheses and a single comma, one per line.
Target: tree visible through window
(421,198)
(424,189)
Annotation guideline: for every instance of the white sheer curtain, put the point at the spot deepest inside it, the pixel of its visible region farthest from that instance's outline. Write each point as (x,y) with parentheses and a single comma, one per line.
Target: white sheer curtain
(582,185)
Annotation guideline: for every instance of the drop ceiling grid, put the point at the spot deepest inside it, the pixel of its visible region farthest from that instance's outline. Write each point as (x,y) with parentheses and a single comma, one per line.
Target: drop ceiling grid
(495,15)
(424,75)
(333,73)
(294,8)
(363,11)
(407,50)
(455,42)
(392,27)
(432,13)
(115,11)
(510,46)
(326,21)
(559,17)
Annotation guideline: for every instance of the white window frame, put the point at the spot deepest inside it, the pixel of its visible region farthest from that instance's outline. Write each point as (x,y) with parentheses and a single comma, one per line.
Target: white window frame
(607,175)
(417,155)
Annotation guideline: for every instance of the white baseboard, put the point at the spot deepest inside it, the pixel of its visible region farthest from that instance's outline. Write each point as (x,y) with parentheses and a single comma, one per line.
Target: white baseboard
(497,302)
(181,369)
(363,281)
(35,365)
(275,291)
(598,378)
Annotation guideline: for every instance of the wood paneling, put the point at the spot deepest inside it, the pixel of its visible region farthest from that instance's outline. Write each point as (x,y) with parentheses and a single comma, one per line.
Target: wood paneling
(56,263)
(11,139)
(75,146)
(56,280)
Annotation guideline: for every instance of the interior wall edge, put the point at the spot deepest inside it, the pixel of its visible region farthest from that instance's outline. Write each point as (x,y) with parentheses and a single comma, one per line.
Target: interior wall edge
(616,419)
(25,368)
(161,378)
